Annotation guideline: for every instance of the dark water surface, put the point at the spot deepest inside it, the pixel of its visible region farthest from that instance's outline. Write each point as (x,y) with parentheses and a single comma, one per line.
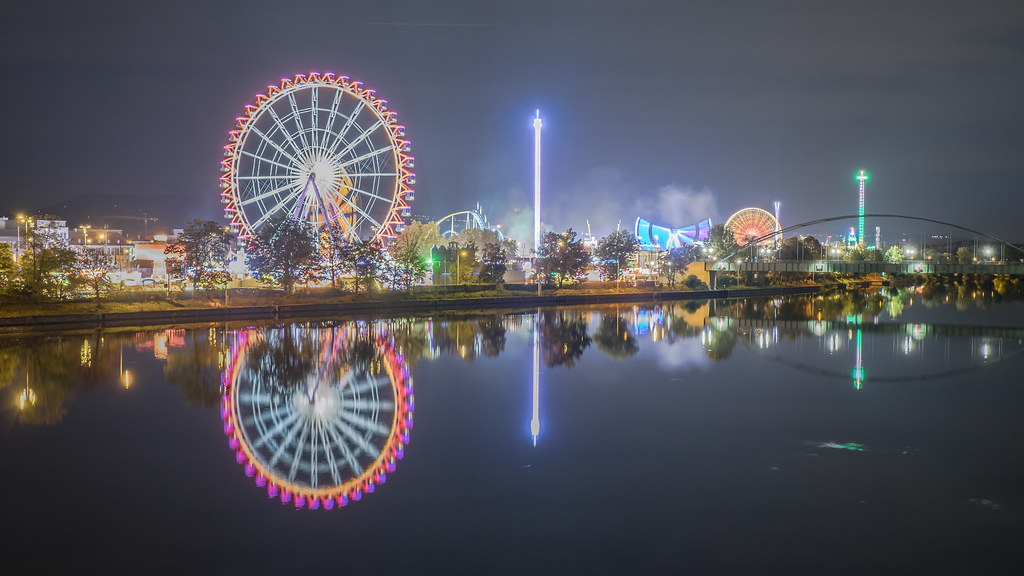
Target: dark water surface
(855,435)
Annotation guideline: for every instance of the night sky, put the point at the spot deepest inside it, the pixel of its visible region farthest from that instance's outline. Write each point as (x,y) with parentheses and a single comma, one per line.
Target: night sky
(670,111)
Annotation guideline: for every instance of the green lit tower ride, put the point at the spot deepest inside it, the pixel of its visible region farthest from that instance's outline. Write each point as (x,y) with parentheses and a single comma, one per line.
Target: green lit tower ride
(863,177)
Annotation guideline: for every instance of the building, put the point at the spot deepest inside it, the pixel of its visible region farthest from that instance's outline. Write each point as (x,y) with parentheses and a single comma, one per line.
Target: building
(10,233)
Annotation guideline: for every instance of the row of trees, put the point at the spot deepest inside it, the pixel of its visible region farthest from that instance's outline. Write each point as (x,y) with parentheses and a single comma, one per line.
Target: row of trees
(564,257)
(49,268)
(287,251)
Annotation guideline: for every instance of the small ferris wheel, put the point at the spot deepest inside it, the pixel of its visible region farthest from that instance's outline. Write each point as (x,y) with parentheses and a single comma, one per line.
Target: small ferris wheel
(323,149)
(751,224)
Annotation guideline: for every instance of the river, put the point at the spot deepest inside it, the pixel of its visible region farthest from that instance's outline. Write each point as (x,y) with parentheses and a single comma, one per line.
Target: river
(877,432)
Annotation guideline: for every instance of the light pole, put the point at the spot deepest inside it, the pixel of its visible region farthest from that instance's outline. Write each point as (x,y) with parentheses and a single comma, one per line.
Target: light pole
(27,221)
(458,266)
(17,227)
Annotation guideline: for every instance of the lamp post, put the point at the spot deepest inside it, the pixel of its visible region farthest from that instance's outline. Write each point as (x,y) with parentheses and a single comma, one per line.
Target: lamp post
(458,266)
(17,227)
(27,221)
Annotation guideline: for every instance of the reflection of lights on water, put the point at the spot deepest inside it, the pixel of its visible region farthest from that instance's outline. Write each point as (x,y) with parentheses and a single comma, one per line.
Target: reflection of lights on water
(127,379)
(908,345)
(919,331)
(986,349)
(86,354)
(325,438)
(535,420)
(763,340)
(27,398)
(817,328)
(858,371)
(160,346)
(849,446)
(833,343)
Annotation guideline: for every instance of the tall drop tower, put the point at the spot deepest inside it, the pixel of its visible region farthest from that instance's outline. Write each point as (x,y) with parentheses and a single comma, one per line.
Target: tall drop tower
(863,177)
(536,183)
(778,227)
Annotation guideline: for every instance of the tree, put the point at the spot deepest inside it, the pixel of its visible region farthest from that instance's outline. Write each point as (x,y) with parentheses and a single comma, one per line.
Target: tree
(364,260)
(466,265)
(800,248)
(494,263)
(721,242)
(873,255)
(614,253)
(964,255)
(933,255)
(8,269)
(200,253)
(675,261)
(93,265)
(563,255)
(333,245)
(410,252)
(284,252)
(894,255)
(476,237)
(48,266)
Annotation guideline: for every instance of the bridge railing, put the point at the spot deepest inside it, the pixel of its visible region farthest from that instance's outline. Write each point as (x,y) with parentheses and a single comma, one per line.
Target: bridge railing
(843,267)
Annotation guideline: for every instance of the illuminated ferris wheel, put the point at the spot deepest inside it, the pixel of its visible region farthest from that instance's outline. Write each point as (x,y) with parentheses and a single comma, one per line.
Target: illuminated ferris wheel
(323,149)
(752,223)
(310,423)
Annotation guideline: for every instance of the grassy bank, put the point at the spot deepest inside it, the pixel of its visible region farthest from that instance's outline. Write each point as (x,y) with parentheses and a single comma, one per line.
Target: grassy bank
(142,308)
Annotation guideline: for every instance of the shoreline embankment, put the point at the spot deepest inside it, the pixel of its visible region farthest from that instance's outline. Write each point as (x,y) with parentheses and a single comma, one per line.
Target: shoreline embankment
(383,306)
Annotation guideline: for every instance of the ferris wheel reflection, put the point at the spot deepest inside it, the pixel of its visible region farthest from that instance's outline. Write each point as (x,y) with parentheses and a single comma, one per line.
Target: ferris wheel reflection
(318,415)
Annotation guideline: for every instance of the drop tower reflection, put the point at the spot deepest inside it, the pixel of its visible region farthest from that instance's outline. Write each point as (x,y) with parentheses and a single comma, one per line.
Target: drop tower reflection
(319,415)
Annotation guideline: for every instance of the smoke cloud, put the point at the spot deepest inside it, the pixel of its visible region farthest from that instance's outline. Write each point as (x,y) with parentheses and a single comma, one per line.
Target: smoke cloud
(606,199)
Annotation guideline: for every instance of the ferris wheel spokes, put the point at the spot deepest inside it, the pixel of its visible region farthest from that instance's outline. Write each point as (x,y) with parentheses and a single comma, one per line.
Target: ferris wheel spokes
(268,193)
(339,156)
(284,131)
(269,161)
(276,146)
(370,154)
(277,207)
(339,138)
(297,118)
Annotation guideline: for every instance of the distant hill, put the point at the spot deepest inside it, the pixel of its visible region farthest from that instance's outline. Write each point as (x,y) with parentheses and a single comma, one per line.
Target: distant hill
(130,212)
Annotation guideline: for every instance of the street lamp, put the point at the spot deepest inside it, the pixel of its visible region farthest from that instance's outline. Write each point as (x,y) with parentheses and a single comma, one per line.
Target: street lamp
(458,266)
(17,247)
(27,221)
